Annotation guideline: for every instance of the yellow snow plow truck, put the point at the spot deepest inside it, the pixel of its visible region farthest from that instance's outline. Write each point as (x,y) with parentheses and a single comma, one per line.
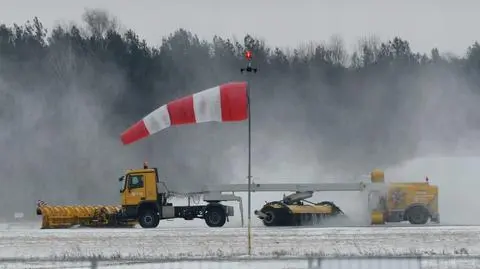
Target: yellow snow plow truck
(415,202)
(143,201)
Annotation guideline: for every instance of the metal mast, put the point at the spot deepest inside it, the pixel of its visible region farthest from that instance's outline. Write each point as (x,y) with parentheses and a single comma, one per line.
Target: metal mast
(249,69)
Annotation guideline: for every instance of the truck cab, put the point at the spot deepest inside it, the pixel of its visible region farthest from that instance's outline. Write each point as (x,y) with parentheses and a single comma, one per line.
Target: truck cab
(144,198)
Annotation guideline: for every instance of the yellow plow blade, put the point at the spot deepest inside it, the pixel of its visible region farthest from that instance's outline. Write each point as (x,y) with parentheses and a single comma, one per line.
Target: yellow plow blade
(55,216)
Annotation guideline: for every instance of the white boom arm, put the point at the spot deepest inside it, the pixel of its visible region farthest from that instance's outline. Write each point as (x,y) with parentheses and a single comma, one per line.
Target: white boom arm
(286,187)
(216,192)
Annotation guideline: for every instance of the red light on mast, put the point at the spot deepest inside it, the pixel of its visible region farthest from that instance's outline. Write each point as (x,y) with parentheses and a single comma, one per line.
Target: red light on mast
(248,55)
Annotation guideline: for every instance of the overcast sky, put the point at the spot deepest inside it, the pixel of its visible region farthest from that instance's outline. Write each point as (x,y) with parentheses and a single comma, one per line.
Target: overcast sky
(449,25)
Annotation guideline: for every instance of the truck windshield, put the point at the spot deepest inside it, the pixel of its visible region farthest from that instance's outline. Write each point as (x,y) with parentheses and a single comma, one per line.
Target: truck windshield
(121,181)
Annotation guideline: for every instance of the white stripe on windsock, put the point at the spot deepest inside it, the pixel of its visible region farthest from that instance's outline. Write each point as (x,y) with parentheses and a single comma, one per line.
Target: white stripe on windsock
(207,105)
(158,120)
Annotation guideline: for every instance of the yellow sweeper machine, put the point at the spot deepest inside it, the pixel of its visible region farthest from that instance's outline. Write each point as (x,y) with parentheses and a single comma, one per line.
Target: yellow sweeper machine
(144,201)
(415,202)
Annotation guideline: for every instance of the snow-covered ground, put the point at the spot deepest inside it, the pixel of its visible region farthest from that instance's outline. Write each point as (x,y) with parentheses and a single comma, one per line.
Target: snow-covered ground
(283,264)
(190,242)
(350,263)
(207,243)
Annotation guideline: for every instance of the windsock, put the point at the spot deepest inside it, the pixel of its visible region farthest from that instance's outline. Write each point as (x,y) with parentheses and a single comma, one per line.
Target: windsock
(223,103)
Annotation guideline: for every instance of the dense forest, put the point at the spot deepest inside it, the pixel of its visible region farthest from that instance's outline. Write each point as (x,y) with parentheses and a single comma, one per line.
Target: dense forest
(67,93)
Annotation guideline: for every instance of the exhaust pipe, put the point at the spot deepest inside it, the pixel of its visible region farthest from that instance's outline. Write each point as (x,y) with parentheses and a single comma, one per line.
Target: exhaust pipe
(260,214)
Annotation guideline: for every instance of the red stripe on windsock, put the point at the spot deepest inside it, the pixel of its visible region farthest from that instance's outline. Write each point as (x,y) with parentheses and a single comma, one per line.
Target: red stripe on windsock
(234,101)
(134,133)
(181,111)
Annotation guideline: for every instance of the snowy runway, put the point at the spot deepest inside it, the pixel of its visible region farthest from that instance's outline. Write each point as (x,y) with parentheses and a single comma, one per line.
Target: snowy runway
(191,242)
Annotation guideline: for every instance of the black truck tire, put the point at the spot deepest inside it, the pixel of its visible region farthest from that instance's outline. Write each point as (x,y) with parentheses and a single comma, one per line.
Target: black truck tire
(215,215)
(277,216)
(418,215)
(270,219)
(148,218)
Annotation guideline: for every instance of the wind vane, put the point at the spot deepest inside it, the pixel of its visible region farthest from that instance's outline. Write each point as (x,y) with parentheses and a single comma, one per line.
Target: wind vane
(249,69)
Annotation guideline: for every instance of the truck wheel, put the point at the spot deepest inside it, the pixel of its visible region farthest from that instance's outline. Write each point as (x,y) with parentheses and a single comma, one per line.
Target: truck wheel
(270,219)
(418,215)
(215,216)
(148,218)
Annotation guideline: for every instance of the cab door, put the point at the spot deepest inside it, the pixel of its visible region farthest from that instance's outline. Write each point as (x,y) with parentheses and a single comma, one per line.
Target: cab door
(135,191)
